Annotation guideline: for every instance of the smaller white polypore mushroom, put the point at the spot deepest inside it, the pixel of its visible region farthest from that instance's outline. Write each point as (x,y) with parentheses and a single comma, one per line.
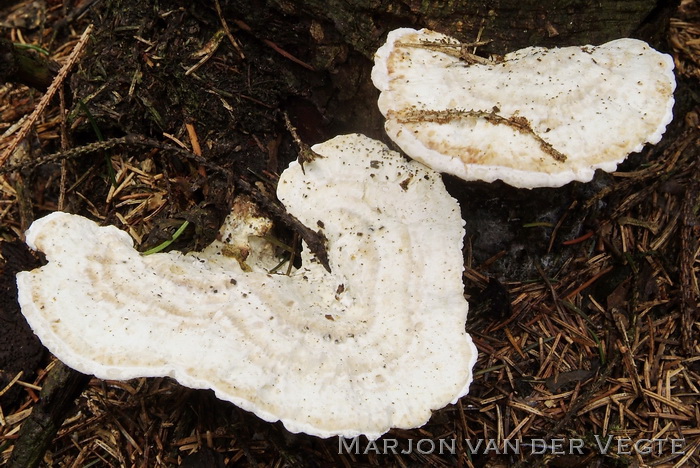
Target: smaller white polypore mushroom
(537,118)
(377,343)
(241,239)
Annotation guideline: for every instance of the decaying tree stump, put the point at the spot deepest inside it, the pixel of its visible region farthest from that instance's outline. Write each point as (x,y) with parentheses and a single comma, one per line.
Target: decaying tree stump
(510,24)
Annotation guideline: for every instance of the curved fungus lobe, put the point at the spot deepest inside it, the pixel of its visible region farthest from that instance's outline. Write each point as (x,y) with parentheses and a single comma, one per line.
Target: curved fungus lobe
(536,118)
(378,343)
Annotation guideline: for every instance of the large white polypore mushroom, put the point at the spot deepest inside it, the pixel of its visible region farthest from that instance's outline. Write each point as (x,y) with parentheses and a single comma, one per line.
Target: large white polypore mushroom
(536,118)
(377,343)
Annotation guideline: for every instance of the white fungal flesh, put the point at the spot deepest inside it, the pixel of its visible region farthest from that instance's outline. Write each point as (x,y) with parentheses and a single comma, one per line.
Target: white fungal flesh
(591,105)
(377,343)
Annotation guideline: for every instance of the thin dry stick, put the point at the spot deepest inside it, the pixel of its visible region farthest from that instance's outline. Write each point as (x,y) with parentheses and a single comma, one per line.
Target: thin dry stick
(64,147)
(46,98)
(227,30)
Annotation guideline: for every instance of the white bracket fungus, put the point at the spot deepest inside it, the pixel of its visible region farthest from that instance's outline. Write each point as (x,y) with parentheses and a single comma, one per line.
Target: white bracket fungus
(377,343)
(537,118)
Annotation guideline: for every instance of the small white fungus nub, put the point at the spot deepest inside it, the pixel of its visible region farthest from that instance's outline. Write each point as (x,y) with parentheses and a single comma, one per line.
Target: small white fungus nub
(538,118)
(378,343)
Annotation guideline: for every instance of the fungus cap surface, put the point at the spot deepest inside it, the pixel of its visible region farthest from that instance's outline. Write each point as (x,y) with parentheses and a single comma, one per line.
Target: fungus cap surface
(538,118)
(378,343)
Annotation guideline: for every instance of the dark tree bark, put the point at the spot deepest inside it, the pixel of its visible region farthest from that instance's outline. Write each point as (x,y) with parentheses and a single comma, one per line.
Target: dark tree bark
(341,36)
(510,24)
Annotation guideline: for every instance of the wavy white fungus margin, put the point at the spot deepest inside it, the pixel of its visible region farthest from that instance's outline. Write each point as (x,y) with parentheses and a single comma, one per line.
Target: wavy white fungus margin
(593,105)
(378,343)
